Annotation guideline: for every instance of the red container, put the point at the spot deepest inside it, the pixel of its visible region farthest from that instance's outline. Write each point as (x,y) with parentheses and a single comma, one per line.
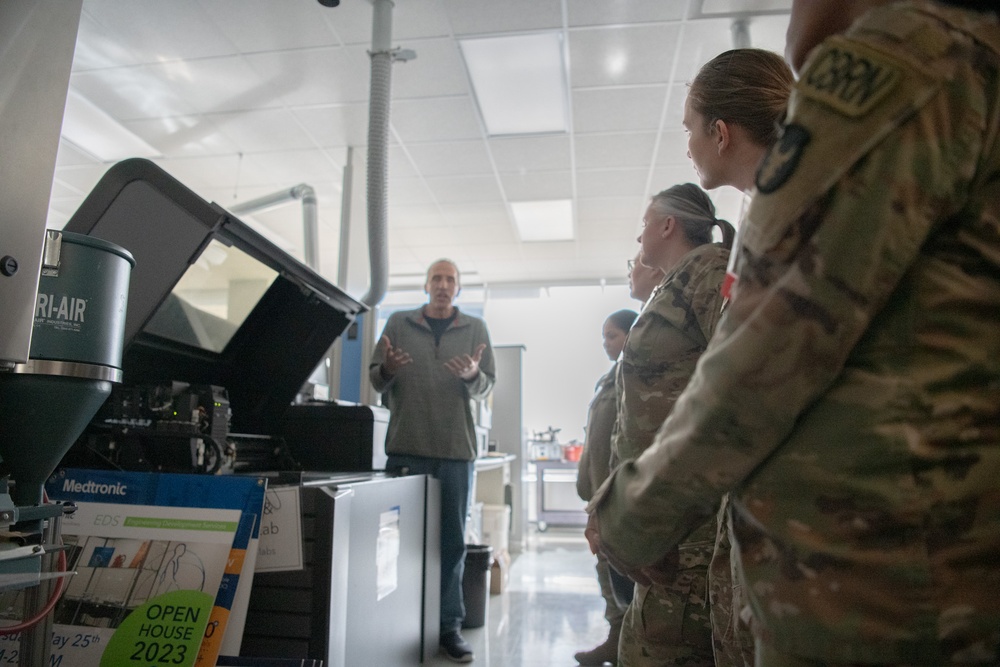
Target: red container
(571,452)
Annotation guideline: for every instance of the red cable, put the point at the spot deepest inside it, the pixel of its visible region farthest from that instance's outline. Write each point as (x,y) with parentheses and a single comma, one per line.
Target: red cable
(40,616)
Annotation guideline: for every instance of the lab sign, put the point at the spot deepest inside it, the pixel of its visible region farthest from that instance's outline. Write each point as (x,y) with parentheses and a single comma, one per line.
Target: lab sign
(280,546)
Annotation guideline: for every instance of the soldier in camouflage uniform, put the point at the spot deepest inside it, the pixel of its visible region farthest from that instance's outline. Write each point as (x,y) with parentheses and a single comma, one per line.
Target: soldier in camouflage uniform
(851,395)
(732,114)
(667,622)
(594,468)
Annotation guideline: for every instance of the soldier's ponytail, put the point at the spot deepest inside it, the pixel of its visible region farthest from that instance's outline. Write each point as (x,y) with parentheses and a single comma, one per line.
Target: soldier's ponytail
(696,213)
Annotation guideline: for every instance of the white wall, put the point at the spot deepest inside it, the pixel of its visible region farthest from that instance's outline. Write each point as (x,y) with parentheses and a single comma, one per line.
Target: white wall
(564,357)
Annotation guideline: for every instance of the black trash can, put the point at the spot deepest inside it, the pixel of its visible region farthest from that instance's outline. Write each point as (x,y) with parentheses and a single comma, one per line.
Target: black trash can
(476,584)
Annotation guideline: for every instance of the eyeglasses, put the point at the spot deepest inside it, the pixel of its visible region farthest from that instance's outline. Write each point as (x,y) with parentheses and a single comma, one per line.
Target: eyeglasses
(631,265)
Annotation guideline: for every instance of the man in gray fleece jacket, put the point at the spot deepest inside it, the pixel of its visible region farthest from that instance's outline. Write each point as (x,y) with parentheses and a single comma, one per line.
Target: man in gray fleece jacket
(428,363)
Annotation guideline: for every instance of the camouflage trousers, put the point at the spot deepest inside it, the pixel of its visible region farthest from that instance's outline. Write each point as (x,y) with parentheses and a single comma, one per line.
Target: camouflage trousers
(733,642)
(669,625)
(612,612)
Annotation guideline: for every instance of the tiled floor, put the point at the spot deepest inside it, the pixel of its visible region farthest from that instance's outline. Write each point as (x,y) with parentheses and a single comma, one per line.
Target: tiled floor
(552,608)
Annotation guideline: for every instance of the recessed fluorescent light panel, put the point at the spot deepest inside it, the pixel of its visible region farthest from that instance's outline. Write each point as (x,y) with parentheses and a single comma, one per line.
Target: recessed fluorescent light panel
(543,220)
(92,130)
(519,82)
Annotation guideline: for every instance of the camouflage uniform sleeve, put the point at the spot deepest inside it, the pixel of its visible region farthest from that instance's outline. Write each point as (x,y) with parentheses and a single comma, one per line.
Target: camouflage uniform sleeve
(845,201)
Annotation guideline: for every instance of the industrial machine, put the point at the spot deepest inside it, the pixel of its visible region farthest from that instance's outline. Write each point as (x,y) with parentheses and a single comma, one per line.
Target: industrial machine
(223,330)
(47,401)
(63,299)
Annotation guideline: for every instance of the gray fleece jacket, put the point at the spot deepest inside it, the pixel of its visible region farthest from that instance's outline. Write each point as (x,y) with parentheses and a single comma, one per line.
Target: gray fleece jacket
(429,410)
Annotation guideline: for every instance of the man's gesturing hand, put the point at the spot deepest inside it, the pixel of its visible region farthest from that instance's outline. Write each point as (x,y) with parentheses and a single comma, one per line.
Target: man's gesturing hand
(395,358)
(465,366)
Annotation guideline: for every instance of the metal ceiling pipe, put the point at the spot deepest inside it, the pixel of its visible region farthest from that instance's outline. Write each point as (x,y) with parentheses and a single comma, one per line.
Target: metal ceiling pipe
(740,30)
(378,151)
(310,220)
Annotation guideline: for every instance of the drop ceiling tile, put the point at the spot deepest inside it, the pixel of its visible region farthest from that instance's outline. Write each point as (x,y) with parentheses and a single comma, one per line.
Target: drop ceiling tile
(264,25)
(60,211)
(203,173)
(409,191)
(459,215)
(335,125)
(131,93)
(156,31)
(352,21)
(437,71)
(673,119)
(81,178)
(435,119)
(548,253)
(622,55)
(407,216)
(64,191)
(464,189)
(618,233)
(430,253)
(588,12)
(288,168)
(178,136)
(612,256)
(456,158)
(402,261)
(538,153)
(311,76)
(665,177)
(285,220)
(263,130)
(596,151)
(611,182)
(537,185)
(768,32)
(71,156)
(672,150)
(224,84)
(97,48)
(725,6)
(704,39)
(500,17)
(400,163)
(614,209)
(337,156)
(484,237)
(618,109)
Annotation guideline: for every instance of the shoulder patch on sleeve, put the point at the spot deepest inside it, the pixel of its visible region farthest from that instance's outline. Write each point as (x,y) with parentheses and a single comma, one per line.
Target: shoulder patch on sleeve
(780,161)
(849,77)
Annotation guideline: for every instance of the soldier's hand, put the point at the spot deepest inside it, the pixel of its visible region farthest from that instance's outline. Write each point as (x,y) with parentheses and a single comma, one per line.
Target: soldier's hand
(395,357)
(663,571)
(593,534)
(466,366)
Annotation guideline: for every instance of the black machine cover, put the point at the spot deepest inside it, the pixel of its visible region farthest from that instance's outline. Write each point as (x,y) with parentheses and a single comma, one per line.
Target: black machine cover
(167,227)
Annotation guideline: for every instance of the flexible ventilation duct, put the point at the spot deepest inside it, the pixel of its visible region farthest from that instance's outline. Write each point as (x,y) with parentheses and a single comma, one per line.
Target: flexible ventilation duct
(378,151)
